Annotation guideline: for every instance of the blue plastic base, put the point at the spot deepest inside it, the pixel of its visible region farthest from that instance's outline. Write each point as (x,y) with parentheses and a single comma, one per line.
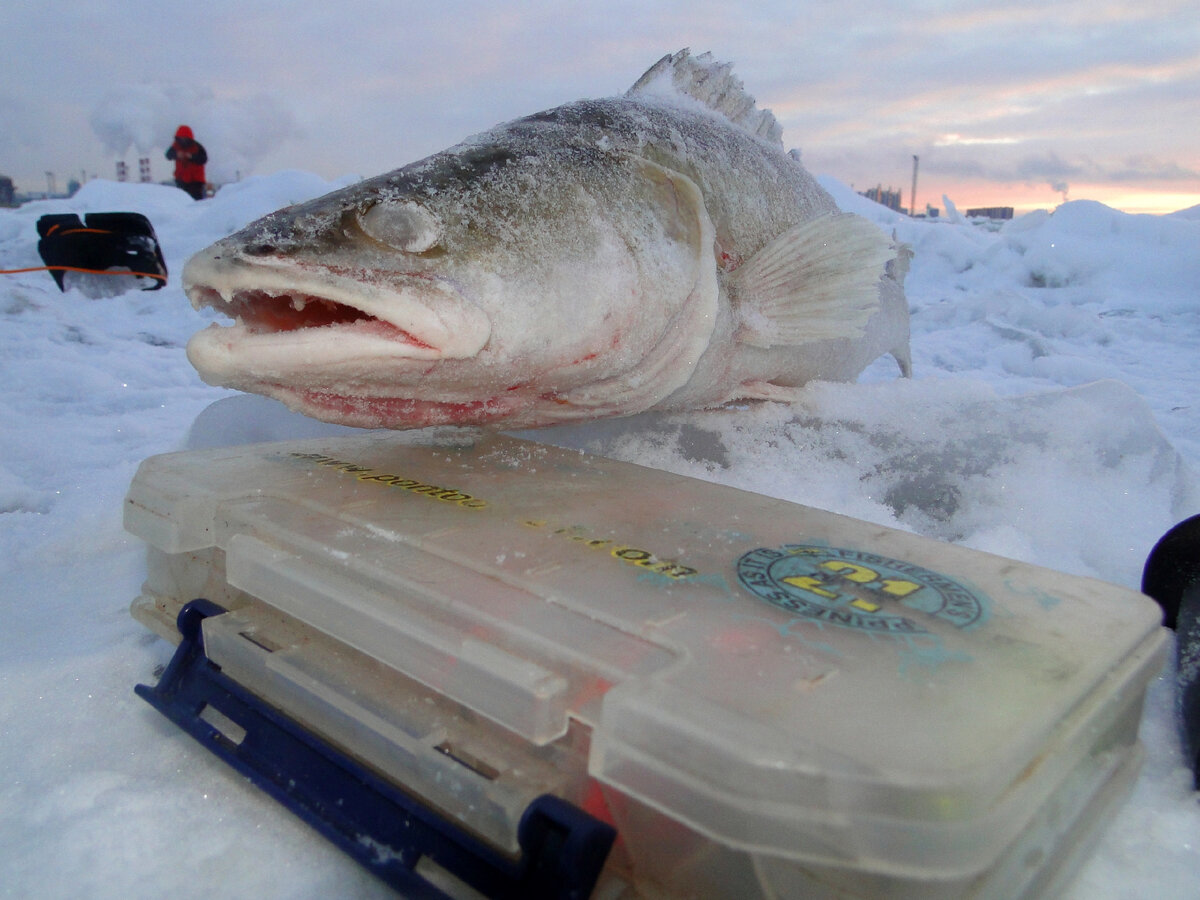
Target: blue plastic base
(387,830)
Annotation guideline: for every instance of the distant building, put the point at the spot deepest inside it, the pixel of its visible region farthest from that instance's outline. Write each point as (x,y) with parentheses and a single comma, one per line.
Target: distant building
(8,195)
(889,197)
(991,212)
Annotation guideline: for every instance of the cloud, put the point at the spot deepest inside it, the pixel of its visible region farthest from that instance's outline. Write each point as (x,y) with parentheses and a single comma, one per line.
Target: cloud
(1045,167)
(15,135)
(139,117)
(1057,170)
(237,133)
(1057,93)
(957,140)
(1147,168)
(1048,168)
(240,133)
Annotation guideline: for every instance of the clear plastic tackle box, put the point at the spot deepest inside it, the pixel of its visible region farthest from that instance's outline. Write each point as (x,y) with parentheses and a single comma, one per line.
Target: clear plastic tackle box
(737,696)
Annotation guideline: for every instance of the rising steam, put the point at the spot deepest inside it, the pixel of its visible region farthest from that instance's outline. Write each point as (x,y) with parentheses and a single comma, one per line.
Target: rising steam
(237,133)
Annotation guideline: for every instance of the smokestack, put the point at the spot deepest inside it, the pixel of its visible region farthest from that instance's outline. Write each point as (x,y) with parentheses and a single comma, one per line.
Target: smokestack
(912,209)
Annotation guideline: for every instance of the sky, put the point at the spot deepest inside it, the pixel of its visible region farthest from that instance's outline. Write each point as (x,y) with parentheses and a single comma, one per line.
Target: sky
(1021,104)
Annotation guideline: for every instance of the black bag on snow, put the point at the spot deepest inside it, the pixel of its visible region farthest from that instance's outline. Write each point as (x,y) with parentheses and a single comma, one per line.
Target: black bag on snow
(111,240)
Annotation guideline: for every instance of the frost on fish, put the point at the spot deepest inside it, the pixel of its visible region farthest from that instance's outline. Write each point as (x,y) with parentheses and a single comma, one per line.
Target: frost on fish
(654,251)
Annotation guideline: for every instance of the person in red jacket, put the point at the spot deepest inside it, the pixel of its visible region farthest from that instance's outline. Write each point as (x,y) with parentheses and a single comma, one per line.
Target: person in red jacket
(190,157)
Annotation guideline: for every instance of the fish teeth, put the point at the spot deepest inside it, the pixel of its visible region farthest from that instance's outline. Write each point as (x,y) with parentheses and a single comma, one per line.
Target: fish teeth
(298,304)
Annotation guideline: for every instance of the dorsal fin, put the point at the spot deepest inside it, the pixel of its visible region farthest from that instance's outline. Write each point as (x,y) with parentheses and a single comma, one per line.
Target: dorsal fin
(714,85)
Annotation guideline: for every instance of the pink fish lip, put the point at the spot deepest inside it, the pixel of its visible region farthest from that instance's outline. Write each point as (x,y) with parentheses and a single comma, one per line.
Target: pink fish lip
(370,412)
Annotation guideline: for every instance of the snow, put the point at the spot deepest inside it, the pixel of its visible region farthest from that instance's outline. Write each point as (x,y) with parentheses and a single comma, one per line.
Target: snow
(1053,418)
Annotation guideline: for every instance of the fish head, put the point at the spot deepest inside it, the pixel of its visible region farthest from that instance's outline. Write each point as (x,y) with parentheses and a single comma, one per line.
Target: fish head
(481,286)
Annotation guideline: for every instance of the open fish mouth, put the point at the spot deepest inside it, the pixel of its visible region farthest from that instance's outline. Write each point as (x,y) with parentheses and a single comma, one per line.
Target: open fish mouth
(260,312)
(330,360)
(295,317)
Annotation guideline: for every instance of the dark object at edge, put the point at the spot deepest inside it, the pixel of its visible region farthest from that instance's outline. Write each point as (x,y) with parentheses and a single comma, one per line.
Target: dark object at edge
(110,240)
(1172,577)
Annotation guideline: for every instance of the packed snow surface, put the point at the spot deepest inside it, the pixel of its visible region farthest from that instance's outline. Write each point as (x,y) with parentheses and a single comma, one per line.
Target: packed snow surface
(1053,418)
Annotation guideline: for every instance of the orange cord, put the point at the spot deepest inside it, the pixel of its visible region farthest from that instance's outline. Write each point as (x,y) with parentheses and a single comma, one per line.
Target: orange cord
(76,269)
(54,228)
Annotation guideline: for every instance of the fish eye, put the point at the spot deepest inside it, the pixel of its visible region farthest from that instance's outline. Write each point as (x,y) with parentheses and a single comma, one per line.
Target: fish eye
(402,224)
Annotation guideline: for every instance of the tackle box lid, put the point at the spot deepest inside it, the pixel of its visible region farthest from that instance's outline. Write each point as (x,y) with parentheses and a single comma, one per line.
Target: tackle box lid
(779,678)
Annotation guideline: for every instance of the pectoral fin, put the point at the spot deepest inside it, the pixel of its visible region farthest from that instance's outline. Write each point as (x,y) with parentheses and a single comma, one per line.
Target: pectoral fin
(817,281)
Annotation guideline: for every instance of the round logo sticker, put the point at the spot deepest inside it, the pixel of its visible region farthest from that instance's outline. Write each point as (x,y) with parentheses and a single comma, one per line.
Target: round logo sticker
(854,589)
